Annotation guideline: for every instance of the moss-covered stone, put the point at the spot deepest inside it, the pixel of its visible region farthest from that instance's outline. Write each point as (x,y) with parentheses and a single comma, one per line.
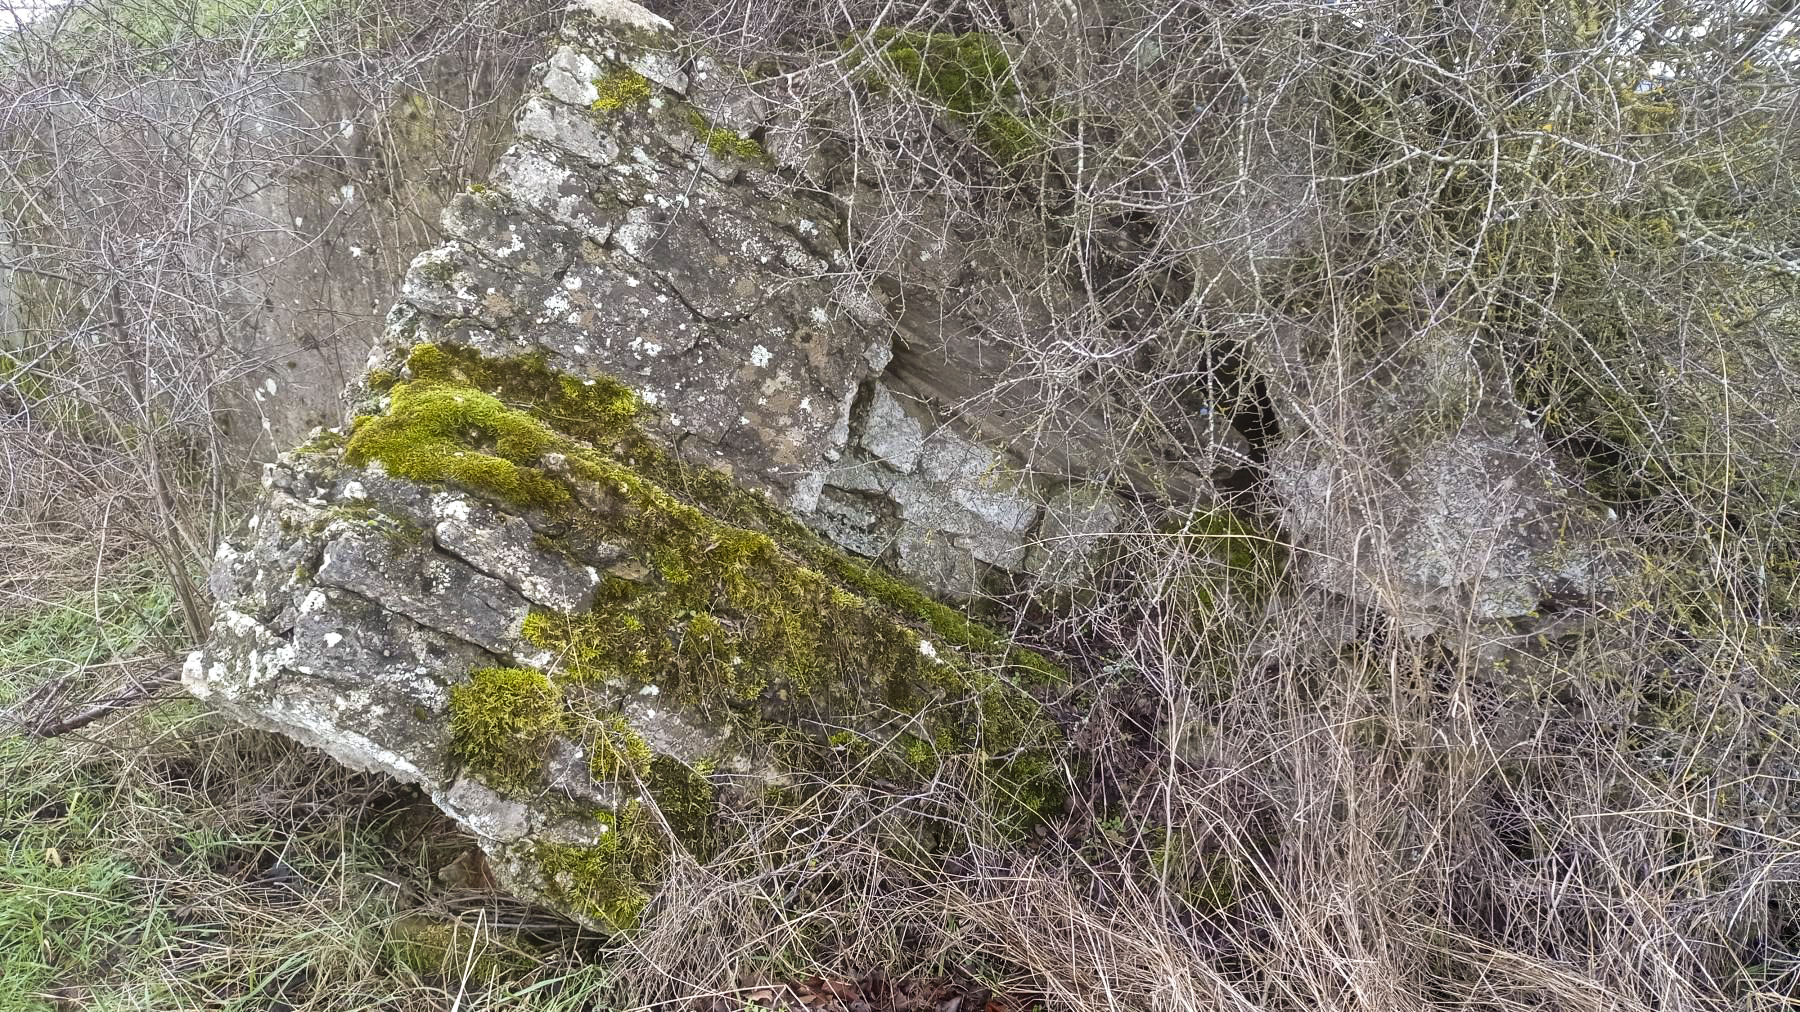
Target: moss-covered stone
(722,141)
(620,89)
(615,751)
(687,801)
(439,433)
(443,425)
(609,881)
(502,722)
(490,426)
(729,608)
(969,75)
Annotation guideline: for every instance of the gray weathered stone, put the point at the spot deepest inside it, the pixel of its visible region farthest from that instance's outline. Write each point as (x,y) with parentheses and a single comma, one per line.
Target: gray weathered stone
(549,571)
(554,569)
(1418,484)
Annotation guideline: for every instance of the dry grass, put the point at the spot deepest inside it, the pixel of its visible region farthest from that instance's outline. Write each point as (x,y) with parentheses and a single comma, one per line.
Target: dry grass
(1279,802)
(1359,828)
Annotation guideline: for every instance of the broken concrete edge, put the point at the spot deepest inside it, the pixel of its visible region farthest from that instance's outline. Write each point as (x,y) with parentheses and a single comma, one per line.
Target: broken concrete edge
(958,524)
(557,571)
(579,594)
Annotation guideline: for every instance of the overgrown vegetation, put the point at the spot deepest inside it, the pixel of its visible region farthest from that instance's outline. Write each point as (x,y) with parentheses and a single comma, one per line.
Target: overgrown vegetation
(1274,802)
(164,860)
(501,723)
(967,76)
(740,620)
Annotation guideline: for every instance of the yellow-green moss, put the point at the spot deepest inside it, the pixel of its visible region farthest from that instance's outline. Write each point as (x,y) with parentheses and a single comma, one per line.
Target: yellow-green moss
(969,75)
(609,881)
(438,948)
(684,796)
(502,722)
(619,89)
(615,751)
(443,425)
(746,612)
(722,141)
(438,433)
(485,424)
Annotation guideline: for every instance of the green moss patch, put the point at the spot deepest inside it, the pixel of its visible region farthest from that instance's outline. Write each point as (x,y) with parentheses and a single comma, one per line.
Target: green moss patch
(740,610)
(609,881)
(620,89)
(687,801)
(487,425)
(443,425)
(616,752)
(970,77)
(502,722)
(436,433)
(722,141)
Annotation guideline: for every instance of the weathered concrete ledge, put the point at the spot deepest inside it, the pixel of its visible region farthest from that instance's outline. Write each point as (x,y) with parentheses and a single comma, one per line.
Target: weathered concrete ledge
(552,570)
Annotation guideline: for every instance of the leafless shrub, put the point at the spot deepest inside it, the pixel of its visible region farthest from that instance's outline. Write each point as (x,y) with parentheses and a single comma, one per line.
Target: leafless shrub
(152,153)
(1294,803)
(1289,802)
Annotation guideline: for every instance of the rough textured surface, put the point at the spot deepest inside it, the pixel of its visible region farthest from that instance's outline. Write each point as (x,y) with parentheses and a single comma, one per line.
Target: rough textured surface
(551,571)
(1467,516)
(605,549)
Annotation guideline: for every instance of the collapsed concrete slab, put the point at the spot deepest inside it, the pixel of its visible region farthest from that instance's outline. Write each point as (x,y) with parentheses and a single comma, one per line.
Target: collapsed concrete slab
(557,568)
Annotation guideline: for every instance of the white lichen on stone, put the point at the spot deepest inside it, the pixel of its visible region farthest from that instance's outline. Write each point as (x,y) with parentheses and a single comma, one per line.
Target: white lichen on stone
(622,13)
(571,75)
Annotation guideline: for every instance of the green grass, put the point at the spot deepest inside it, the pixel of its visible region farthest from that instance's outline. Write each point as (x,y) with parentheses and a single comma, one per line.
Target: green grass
(165,861)
(133,612)
(158,880)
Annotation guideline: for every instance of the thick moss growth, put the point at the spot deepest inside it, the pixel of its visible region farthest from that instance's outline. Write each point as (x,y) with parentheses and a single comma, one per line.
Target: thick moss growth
(740,611)
(722,141)
(610,881)
(502,722)
(437,433)
(685,797)
(620,89)
(616,752)
(970,76)
(490,426)
(687,801)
